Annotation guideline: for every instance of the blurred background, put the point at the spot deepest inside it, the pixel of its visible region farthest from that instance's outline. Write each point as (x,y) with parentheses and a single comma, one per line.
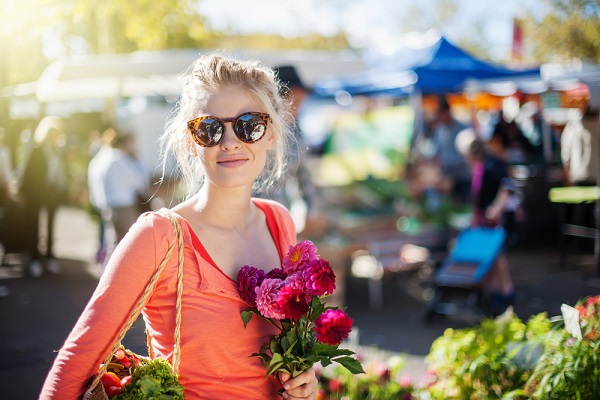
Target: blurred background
(371,187)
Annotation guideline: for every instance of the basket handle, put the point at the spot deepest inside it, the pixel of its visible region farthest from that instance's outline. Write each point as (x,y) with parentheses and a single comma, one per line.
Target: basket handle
(142,301)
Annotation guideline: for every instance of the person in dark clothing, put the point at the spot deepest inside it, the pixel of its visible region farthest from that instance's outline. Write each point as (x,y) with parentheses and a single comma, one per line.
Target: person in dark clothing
(494,205)
(43,186)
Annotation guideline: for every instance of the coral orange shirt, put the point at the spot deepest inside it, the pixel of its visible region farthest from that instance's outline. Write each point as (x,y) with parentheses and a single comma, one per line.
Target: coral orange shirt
(215,346)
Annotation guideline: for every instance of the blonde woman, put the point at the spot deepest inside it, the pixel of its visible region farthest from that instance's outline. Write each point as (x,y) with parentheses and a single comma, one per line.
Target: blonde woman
(229,136)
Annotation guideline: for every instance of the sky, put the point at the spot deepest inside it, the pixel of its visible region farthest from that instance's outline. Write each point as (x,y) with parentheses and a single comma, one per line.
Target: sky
(367,23)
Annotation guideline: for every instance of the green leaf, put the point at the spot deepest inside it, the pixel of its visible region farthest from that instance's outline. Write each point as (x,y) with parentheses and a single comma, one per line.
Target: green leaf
(350,364)
(246,317)
(275,364)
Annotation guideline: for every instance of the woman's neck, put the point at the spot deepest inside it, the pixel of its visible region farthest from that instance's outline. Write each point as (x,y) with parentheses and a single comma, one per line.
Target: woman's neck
(225,208)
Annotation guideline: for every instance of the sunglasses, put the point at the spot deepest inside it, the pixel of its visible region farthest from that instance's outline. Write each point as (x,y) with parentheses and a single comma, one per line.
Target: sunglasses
(249,127)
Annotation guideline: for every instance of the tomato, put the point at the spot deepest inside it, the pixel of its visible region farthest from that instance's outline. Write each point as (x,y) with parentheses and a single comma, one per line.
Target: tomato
(113,391)
(126,380)
(125,361)
(110,379)
(119,354)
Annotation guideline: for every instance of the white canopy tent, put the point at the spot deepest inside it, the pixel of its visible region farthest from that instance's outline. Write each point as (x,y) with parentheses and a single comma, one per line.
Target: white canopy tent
(155,73)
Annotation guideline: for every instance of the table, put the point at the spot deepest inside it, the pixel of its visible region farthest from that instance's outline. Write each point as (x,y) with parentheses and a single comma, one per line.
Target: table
(577,195)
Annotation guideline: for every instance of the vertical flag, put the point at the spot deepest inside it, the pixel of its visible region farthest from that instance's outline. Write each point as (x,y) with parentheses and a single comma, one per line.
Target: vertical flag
(517,42)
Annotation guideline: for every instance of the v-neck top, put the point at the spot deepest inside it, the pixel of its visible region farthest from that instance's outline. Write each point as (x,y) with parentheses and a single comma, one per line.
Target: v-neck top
(215,346)
(272,224)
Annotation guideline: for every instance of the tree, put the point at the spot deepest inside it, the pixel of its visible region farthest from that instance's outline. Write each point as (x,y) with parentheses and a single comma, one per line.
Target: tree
(571,30)
(34,32)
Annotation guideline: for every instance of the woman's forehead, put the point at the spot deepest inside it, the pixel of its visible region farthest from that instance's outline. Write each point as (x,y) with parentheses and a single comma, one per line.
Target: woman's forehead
(230,101)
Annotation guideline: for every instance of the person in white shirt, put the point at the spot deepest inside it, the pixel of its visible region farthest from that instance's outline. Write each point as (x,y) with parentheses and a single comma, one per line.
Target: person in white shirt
(579,148)
(117,181)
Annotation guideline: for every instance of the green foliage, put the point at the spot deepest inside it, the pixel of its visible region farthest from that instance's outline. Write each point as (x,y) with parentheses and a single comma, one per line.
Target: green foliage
(152,380)
(570,367)
(487,361)
(571,30)
(382,381)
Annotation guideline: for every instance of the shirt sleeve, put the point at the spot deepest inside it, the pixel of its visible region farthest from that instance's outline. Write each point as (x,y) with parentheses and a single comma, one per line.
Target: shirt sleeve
(126,276)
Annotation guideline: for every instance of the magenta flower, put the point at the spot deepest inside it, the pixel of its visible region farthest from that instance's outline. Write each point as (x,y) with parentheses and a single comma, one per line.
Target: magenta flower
(333,326)
(297,282)
(266,298)
(299,256)
(319,278)
(276,273)
(248,279)
(292,302)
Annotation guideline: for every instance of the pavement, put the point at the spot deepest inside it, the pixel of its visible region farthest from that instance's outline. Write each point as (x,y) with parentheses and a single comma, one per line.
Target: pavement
(38,313)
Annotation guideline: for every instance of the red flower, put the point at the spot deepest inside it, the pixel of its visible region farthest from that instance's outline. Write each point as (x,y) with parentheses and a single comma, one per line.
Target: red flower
(248,279)
(333,326)
(319,278)
(292,302)
(592,300)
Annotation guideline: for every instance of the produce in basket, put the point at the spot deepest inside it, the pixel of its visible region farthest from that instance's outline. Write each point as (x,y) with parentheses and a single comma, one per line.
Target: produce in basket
(131,377)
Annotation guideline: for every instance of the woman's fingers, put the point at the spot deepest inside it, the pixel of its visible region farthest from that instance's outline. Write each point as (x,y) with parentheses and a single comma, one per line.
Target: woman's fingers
(304,386)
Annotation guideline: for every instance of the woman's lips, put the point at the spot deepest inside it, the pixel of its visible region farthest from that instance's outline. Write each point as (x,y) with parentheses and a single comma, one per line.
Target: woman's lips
(232,162)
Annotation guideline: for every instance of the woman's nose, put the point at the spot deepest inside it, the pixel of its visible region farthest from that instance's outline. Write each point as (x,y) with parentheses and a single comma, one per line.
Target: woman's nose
(230,140)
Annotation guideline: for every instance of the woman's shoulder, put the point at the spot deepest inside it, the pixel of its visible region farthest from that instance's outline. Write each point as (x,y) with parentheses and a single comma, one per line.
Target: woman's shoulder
(153,223)
(277,208)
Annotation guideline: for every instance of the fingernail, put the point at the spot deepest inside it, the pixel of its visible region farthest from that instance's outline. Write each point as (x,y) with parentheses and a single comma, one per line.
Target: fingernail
(287,386)
(285,395)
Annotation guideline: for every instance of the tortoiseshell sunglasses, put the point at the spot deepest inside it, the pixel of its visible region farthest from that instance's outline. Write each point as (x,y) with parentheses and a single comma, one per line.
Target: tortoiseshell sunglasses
(249,127)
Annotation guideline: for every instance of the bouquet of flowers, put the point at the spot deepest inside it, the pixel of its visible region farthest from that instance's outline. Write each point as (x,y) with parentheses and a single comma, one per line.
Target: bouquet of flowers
(290,299)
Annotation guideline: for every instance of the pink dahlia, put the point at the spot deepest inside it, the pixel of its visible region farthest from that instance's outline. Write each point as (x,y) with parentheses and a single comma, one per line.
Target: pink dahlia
(292,302)
(333,326)
(319,278)
(266,298)
(299,256)
(248,279)
(277,273)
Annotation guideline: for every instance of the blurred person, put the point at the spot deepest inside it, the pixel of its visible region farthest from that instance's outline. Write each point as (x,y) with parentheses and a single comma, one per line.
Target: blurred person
(494,204)
(6,175)
(579,155)
(445,129)
(117,181)
(44,186)
(579,148)
(296,191)
(509,142)
(229,136)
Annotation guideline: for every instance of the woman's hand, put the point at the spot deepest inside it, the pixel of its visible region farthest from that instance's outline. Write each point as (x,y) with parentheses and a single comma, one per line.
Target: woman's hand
(304,386)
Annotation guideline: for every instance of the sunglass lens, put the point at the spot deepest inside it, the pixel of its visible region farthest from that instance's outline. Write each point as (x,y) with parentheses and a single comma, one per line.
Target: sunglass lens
(209,132)
(250,128)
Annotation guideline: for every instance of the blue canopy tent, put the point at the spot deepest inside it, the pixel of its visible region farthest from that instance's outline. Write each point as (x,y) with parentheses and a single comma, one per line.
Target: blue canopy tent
(436,67)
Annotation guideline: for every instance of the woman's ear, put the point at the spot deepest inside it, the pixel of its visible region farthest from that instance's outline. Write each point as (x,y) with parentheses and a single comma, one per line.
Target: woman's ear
(270,140)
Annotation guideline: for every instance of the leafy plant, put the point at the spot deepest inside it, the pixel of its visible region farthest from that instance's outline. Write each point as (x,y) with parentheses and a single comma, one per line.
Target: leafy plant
(381,381)
(570,365)
(490,361)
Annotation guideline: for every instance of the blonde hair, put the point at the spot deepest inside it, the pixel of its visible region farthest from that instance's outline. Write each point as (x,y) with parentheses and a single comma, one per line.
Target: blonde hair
(208,74)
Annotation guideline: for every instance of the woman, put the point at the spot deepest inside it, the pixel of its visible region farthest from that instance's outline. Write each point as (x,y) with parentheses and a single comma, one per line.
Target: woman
(494,205)
(228,136)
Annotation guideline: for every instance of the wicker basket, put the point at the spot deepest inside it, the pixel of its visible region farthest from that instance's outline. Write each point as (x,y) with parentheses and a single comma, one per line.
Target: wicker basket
(96,390)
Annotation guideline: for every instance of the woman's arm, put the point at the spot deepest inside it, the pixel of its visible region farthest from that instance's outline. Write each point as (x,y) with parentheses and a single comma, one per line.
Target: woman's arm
(124,279)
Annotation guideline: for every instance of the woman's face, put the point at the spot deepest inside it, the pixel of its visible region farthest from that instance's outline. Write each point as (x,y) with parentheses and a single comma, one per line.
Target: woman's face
(233,163)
